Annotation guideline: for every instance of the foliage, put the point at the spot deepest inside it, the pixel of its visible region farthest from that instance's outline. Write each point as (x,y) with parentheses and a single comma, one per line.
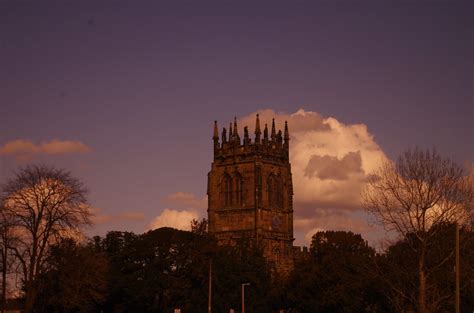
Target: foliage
(234,266)
(168,268)
(42,204)
(414,197)
(75,280)
(199,227)
(336,277)
(8,242)
(398,269)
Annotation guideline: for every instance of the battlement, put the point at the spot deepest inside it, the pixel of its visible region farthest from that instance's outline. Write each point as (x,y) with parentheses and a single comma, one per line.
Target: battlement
(250,192)
(271,148)
(301,253)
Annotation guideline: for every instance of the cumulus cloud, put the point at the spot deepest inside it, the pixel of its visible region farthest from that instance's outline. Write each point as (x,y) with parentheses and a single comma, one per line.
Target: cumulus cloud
(330,167)
(24,149)
(330,164)
(98,217)
(186,200)
(183,208)
(327,219)
(179,219)
(131,216)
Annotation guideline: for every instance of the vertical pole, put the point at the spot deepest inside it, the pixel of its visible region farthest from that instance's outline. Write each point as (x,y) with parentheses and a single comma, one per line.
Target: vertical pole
(256,185)
(210,287)
(458,269)
(243,298)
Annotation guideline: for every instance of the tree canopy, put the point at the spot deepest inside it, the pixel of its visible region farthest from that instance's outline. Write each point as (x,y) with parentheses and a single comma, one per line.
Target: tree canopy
(415,197)
(42,205)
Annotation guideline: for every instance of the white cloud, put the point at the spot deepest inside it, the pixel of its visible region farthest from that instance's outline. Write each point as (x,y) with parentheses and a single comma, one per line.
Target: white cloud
(183,208)
(309,234)
(330,162)
(131,216)
(327,219)
(179,219)
(186,200)
(63,147)
(24,149)
(98,217)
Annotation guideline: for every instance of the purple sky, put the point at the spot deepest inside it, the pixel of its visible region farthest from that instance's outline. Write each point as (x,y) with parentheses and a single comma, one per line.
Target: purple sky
(140,83)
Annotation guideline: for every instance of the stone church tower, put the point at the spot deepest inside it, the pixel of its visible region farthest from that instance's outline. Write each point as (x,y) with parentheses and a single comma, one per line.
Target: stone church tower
(250,193)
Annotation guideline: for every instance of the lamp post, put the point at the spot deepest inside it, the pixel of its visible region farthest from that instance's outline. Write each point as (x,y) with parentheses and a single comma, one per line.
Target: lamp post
(210,287)
(243,296)
(458,270)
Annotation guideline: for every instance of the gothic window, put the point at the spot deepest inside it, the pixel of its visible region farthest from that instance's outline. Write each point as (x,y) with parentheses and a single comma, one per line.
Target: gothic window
(232,190)
(279,193)
(276,254)
(270,183)
(258,187)
(238,183)
(227,190)
(275,191)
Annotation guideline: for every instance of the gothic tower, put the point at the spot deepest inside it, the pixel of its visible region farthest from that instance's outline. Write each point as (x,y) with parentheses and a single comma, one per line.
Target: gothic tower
(250,193)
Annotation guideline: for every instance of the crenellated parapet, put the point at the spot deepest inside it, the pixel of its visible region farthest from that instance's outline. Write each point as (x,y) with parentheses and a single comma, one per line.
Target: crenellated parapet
(250,191)
(272,147)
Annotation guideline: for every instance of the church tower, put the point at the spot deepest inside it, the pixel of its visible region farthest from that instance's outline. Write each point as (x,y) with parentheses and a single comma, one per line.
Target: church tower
(250,193)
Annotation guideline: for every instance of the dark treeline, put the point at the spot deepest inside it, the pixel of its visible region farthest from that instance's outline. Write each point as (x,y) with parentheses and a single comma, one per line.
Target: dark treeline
(423,197)
(167,268)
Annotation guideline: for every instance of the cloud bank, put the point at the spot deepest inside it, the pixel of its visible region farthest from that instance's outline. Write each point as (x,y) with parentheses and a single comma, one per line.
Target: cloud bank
(99,217)
(186,207)
(179,219)
(23,149)
(330,162)
(186,200)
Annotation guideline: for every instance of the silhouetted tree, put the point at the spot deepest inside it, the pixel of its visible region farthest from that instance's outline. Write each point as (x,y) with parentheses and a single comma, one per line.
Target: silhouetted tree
(153,271)
(199,227)
(414,195)
(233,266)
(44,205)
(75,279)
(7,259)
(118,247)
(398,268)
(168,268)
(337,277)
(467,268)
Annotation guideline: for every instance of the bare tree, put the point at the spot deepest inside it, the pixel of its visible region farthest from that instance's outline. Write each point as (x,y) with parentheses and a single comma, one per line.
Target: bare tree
(420,191)
(43,204)
(7,259)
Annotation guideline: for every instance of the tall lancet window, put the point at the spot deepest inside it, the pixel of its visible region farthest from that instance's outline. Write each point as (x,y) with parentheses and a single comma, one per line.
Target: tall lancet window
(227,190)
(275,191)
(271,189)
(279,193)
(238,183)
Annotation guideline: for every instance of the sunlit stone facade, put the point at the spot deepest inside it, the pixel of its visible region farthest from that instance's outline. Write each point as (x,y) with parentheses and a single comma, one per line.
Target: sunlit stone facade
(250,193)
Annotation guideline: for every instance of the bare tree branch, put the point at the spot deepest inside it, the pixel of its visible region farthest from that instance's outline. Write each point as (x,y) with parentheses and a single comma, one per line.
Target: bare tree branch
(414,196)
(43,204)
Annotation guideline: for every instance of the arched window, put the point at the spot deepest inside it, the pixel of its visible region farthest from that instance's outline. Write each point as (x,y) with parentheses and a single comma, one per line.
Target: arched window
(276,254)
(279,193)
(227,190)
(275,191)
(238,183)
(232,190)
(271,190)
